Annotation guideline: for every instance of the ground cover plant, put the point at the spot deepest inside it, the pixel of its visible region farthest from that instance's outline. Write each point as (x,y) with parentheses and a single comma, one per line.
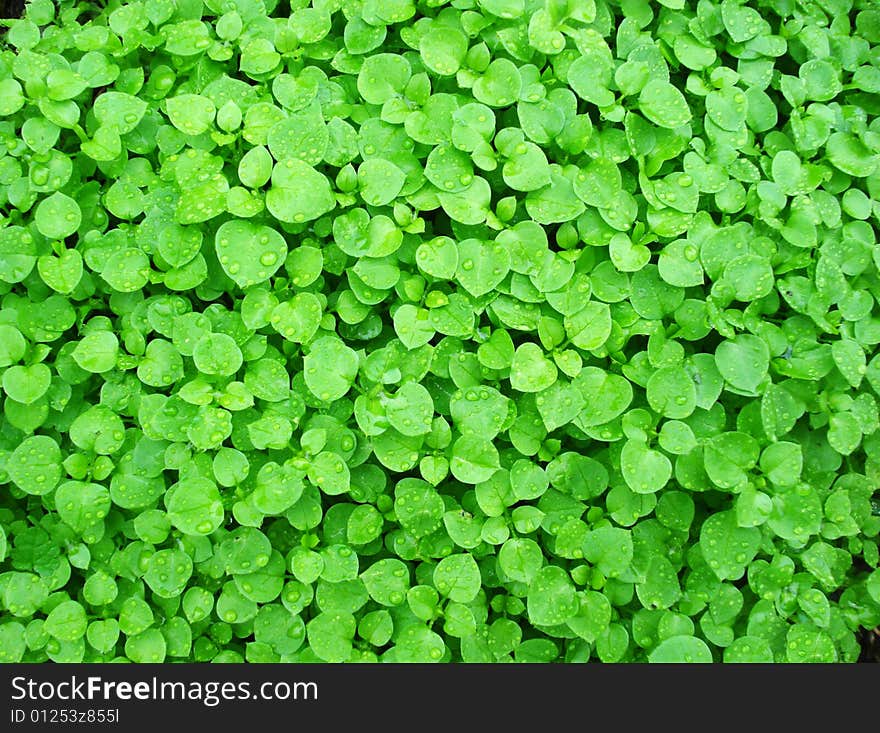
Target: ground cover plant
(454,331)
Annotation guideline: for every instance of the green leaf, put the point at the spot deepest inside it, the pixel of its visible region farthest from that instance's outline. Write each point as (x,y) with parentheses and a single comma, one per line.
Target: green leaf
(413,326)
(520,559)
(330,636)
(481,266)
(530,370)
(748,650)
(19,254)
(743,362)
(473,459)
(192,114)
(382,76)
(66,622)
(645,470)
(35,465)
(297,319)
(551,598)
(443,50)
(499,85)
(27,384)
(82,505)
(97,352)
(298,193)
(727,547)
(194,506)
(249,253)
(671,392)
(681,649)
(217,354)
(168,572)
(330,368)
(418,507)
(590,326)
(606,396)
(849,154)
(380,181)
(329,473)
(664,105)
(387,581)
(118,111)
(62,273)
(457,577)
(411,410)
(57,216)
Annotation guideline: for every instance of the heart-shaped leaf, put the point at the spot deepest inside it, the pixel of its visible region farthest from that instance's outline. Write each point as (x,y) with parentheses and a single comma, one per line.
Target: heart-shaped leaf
(61,273)
(531,371)
(481,265)
(249,253)
(26,384)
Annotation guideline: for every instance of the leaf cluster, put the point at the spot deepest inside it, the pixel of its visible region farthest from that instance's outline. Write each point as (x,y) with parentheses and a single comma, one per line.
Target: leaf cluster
(439,331)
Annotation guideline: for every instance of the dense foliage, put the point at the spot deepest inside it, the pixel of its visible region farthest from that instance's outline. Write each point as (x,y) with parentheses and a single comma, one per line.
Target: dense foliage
(449,330)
